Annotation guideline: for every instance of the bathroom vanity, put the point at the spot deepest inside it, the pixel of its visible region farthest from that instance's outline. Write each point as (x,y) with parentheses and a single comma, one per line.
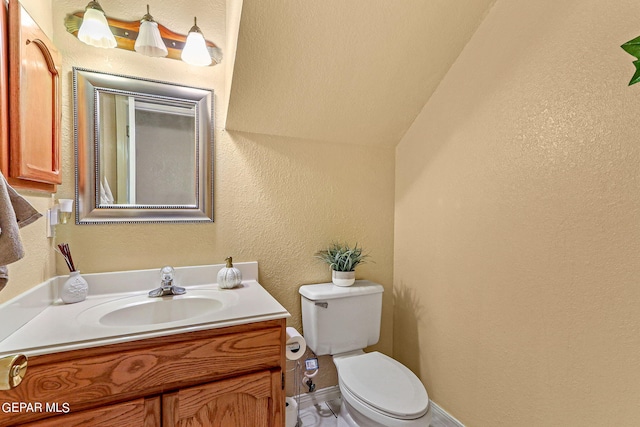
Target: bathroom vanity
(218,368)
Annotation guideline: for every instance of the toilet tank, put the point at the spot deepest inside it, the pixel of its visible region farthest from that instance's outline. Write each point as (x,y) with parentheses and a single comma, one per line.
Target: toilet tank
(338,319)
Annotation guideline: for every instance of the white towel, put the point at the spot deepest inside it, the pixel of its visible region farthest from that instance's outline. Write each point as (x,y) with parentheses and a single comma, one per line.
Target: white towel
(106,198)
(15,212)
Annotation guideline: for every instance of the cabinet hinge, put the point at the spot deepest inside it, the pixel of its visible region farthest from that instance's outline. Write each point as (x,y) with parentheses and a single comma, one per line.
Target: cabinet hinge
(282,380)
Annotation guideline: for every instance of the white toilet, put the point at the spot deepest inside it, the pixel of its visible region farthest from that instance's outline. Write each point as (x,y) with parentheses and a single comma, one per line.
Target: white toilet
(377,391)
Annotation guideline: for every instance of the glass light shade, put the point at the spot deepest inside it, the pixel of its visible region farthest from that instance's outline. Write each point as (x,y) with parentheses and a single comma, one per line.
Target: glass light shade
(149,41)
(195,50)
(95,30)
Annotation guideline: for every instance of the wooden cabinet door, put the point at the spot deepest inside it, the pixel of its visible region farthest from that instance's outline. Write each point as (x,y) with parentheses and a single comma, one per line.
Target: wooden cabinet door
(244,401)
(136,413)
(34,104)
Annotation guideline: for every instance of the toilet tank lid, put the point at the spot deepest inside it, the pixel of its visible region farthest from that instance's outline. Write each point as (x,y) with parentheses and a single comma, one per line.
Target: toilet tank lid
(325,291)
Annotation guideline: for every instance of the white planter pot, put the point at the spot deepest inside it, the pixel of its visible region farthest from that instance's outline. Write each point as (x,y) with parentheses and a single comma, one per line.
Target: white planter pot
(343,278)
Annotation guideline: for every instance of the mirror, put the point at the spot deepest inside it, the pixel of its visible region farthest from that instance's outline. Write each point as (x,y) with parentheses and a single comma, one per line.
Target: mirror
(144,150)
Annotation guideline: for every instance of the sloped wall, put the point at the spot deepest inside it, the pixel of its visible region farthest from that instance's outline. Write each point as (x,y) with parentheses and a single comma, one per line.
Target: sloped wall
(517,222)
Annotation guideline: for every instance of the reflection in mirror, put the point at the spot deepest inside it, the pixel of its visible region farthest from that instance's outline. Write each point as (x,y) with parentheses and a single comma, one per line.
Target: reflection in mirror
(146,152)
(143,150)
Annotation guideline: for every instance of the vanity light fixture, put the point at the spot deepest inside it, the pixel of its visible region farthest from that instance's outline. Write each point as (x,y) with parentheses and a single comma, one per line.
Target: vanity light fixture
(195,49)
(135,35)
(94,30)
(149,41)
(58,214)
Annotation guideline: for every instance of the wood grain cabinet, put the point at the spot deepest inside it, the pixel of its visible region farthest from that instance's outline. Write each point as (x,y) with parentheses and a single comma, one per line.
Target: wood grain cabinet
(31,103)
(138,412)
(241,401)
(226,377)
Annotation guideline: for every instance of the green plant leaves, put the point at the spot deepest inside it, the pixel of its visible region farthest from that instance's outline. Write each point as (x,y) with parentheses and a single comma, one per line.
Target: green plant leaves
(341,257)
(632,47)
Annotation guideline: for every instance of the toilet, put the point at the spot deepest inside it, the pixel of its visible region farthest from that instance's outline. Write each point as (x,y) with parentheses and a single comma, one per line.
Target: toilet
(377,391)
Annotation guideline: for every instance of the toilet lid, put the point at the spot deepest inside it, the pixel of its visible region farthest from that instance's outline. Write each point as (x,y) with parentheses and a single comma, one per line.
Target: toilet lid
(384,384)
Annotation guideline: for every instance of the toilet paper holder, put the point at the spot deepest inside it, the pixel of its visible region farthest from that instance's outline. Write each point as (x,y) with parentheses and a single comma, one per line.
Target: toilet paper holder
(293,347)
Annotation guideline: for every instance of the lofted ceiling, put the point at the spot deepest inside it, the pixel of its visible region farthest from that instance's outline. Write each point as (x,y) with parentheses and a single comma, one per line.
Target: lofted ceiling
(341,71)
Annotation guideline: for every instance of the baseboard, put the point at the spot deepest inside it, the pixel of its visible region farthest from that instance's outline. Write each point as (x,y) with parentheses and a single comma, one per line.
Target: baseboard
(306,400)
(447,418)
(318,396)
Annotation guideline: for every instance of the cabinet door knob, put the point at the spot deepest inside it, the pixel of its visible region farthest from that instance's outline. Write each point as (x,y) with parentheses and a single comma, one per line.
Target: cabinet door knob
(12,371)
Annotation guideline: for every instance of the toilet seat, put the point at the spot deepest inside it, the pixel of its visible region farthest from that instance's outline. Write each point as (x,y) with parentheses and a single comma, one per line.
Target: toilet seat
(384,385)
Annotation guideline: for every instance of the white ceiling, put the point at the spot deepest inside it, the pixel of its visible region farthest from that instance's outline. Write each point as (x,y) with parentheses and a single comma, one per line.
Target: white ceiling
(343,71)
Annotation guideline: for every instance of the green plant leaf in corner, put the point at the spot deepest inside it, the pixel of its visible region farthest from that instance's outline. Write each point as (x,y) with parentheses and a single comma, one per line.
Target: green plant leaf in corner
(632,47)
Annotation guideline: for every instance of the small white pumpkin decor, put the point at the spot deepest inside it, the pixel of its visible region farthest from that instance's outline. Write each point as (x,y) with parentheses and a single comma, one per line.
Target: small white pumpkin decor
(229,276)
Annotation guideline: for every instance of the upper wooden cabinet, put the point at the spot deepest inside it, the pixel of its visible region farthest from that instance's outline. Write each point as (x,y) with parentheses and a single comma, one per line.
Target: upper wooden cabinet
(31,154)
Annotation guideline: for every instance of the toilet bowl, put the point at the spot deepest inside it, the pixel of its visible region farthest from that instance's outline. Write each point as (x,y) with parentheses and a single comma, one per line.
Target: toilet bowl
(377,391)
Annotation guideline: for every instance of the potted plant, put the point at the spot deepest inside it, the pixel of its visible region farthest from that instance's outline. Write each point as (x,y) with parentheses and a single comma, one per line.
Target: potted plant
(343,261)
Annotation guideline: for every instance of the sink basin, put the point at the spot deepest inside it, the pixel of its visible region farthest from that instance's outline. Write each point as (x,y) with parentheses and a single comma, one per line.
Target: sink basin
(142,310)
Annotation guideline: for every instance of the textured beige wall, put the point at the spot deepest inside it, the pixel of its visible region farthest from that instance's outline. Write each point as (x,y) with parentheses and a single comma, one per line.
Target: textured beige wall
(344,71)
(38,262)
(41,12)
(277,200)
(517,222)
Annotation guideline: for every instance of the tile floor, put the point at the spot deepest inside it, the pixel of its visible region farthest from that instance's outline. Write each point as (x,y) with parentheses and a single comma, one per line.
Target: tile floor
(324,415)
(320,415)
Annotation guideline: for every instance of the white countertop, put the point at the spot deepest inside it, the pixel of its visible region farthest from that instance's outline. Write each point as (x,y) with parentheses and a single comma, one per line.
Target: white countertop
(38,322)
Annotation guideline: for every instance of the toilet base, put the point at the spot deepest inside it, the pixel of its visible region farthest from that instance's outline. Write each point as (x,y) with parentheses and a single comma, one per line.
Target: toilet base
(346,417)
(349,417)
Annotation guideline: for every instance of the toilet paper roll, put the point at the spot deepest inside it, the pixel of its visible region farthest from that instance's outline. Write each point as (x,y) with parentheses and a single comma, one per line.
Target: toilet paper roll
(296,345)
(291,412)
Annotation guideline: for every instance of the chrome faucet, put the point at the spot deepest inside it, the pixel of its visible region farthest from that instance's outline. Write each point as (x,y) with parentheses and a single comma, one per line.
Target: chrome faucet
(166,286)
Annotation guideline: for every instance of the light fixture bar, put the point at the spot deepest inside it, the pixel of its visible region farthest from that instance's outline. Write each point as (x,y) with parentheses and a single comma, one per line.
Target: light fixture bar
(126,33)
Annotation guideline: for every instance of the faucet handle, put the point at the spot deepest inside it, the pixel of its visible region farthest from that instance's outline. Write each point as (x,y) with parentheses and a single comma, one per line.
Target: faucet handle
(166,274)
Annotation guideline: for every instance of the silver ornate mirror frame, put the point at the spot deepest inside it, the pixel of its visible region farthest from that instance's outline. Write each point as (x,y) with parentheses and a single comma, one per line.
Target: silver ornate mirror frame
(87,87)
